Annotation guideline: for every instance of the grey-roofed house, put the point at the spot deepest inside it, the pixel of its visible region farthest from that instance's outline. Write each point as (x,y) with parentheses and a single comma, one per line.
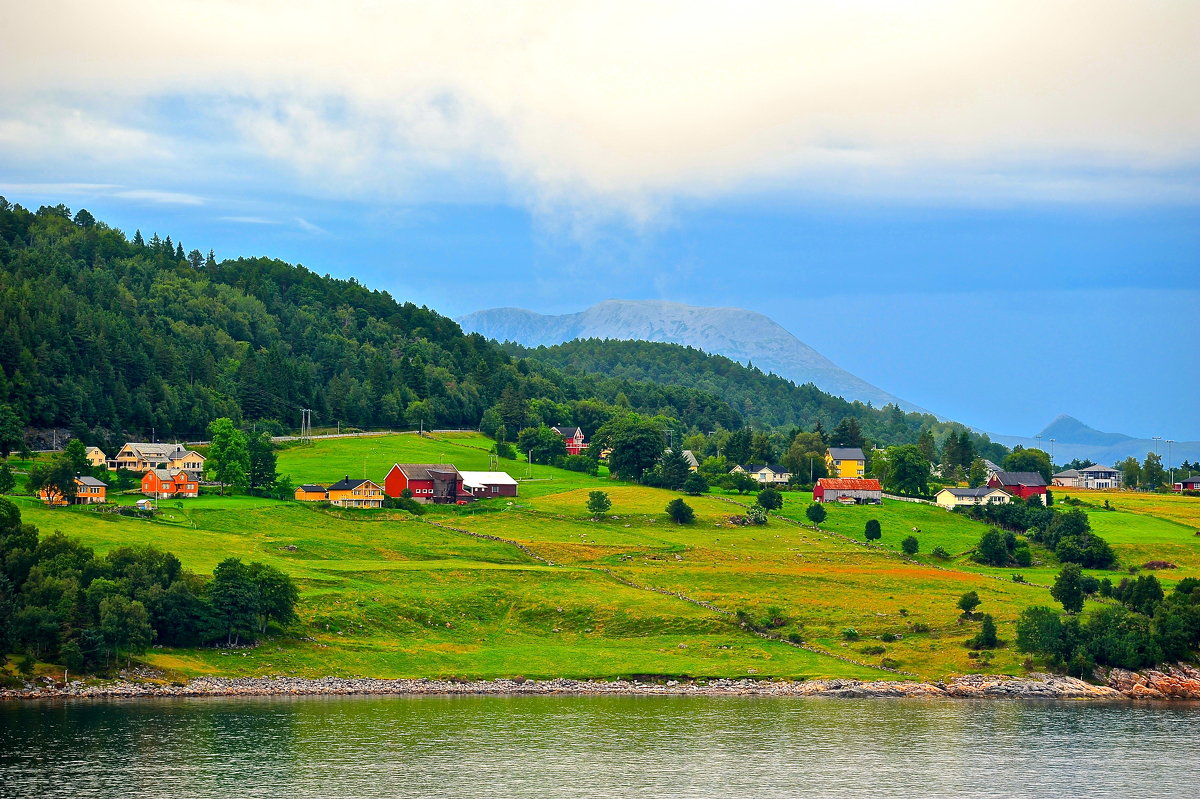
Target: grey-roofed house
(765,473)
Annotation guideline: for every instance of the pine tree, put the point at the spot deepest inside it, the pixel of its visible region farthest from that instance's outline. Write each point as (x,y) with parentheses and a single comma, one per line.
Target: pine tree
(848,433)
(138,241)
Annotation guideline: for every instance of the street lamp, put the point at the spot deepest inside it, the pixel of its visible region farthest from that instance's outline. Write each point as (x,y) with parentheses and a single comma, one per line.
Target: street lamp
(1052,452)
(1170,468)
(1156,440)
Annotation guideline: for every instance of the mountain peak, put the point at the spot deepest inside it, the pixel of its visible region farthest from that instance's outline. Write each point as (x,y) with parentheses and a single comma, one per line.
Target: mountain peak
(1068,429)
(736,333)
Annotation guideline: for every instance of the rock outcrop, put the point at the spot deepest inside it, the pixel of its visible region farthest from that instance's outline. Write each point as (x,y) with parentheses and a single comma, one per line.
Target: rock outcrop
(1180,681)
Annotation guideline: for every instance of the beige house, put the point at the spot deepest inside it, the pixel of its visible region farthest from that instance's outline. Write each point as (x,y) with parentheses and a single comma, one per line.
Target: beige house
(765,473)
(984,495)
(96,457)
(141,457)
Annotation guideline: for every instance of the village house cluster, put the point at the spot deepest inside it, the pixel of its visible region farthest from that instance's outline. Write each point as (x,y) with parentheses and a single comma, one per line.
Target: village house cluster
(427,483)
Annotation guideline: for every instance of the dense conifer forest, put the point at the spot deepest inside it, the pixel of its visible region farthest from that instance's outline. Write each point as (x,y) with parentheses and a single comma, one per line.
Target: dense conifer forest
(117,336)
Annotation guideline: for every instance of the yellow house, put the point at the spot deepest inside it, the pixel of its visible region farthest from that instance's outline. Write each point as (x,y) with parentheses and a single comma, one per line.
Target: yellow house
(845,462)
(950,498)
(347,493)
(96,457)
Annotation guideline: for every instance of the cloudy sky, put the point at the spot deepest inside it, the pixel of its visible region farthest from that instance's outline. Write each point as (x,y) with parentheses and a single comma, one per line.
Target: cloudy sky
(990,209)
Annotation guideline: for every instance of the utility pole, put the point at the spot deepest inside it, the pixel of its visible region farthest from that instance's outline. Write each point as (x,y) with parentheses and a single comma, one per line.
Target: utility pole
(529,473)
(1052,452)
(1156,440)
(1170,468)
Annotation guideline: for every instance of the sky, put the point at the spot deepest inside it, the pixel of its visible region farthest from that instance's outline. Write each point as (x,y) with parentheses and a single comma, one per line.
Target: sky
(989,209)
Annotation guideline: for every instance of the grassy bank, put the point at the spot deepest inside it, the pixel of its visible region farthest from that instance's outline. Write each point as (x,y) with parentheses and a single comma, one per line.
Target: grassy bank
(387,595)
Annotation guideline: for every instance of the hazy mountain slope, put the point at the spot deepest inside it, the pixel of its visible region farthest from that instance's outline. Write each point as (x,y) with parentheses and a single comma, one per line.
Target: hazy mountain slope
(1074,439)
(736,333)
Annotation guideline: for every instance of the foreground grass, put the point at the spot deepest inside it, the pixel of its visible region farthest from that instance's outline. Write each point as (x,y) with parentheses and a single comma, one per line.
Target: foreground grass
(388,595)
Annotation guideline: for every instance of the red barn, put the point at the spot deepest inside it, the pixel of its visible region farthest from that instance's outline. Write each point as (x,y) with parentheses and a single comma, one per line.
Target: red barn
(165,483)
(439,483)
(1020,484)
(864,491)
(1188,484)
(572,438)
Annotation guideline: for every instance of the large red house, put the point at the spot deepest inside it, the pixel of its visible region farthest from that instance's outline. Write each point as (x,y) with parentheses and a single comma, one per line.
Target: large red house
(439,483)
(1187,484)
(1020,484)
(572,438)
(862,491)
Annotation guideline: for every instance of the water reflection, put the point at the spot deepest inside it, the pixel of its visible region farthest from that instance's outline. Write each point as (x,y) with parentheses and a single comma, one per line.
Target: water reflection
(595,747)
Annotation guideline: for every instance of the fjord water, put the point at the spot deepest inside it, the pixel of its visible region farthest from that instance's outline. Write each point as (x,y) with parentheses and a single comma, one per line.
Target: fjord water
(517,747)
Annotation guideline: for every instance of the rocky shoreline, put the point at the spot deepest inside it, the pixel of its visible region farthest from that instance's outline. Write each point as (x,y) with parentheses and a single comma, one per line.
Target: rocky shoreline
(1178,682)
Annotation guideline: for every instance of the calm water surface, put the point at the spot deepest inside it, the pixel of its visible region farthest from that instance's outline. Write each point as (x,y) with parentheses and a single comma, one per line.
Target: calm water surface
(596,747)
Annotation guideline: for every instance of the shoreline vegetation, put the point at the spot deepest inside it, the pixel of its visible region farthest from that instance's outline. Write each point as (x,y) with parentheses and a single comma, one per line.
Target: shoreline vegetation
(1178,682)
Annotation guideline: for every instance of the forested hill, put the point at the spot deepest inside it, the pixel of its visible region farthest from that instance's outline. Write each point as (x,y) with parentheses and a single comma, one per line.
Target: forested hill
(114,337)
(762,399)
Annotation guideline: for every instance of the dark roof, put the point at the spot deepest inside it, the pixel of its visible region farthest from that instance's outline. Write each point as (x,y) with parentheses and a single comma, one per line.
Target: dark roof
(1099,468)
(421,471)
(1020,478)
(311,487)
(1068,473)
(567,432)
(348,484)
(846,454)
(88,480)
(982,491)
(775,467)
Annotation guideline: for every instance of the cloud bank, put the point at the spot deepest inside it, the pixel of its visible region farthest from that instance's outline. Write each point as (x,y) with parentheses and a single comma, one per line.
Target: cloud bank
(626,105)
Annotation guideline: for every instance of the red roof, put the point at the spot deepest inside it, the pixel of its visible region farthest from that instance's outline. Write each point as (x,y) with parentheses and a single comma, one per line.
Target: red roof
(850,484)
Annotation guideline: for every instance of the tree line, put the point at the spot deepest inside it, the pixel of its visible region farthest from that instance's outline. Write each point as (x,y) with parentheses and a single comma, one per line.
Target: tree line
(60,602)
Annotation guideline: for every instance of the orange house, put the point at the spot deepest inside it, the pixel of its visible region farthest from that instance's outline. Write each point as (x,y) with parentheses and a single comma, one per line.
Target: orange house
(166,483)
(310,492)
(88,491)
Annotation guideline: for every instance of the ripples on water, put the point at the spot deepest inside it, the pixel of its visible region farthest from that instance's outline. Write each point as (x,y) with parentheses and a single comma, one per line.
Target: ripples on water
(726,748)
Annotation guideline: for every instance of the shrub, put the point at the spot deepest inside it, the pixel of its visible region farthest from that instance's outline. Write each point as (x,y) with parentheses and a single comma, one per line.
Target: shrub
(598,504)
(968,602)
(873,531)
(816,513)
(986,639)
(756,514)
(795,638)
(940,553)
(770,499)
(910,545)
(680,512)
(920,627)
(873,650)
(888,638)
(850,634)
(889,663)
(695,484)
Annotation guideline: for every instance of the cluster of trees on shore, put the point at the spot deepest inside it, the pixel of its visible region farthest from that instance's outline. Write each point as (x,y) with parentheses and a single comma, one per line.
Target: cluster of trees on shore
(60,602)
(1068,534)
(1148,627)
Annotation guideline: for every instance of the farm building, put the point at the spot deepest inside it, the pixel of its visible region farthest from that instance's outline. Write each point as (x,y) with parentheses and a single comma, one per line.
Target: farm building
(765,473)
(439,483)
(863,491)
(572,438)
(138,457)
(352,493)
(984,495)
(1020,484)
(88,491)
(845,462)
(166,483)
(489,484)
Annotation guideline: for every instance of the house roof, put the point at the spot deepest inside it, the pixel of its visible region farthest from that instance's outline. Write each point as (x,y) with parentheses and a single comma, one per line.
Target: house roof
(487,478)
(850,483)
(1098,468)
(567,432)
(690,457)
(1068,473)
(311,487)
(1192,479)
(982,491)
(846,454)
(348,484)
(166,475)
(1020,478)
(88,480)
(758,467)
(147,450)
(991,466)
(180,452)
(421,471)
(90,450)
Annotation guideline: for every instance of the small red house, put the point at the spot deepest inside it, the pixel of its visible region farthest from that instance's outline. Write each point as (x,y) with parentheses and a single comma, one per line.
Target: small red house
(489,484)
(572,438)
(862,491)
(439,483)
(1188,484)
(166,483)
(1020,484)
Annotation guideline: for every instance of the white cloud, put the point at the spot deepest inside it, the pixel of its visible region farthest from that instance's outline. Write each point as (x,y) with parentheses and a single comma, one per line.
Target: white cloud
(633,105)
(160,197)
(248,220)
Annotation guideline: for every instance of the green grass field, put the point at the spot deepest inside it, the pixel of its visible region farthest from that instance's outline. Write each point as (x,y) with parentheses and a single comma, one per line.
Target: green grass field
(388,595)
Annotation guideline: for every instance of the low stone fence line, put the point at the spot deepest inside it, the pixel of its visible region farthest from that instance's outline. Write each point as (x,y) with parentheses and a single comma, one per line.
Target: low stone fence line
(496,538)
(896,498)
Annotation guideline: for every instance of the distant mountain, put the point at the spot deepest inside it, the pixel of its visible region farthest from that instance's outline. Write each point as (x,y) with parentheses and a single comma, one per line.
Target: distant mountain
(736,333)
(1075,440)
